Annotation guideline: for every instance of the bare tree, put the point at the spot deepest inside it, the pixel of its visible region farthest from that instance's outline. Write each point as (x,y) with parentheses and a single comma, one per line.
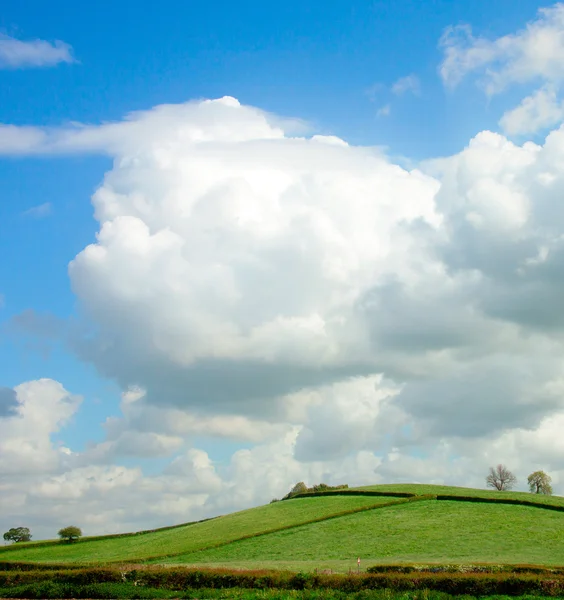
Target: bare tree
(539,483)
(501,478)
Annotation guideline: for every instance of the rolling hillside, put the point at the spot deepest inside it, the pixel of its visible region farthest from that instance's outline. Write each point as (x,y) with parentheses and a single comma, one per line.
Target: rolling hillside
(192,537)
(310,532)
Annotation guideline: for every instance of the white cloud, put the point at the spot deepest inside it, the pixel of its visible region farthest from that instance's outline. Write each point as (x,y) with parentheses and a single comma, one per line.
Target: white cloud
(20,54)
(40,211)
(20,140)
(530,57)
(409,83)
(43,407)
(540,110)
(232,243)
(147,431)
(534,53)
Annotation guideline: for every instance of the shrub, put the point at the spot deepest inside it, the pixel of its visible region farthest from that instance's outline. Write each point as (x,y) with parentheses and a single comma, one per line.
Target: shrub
(301,488)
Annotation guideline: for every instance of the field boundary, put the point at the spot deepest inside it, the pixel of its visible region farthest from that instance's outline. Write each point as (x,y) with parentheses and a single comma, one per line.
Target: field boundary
(477,584)
(354,493)
(440,497)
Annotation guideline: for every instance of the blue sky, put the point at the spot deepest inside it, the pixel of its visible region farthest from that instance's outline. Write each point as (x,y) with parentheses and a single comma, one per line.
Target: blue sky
(366,72)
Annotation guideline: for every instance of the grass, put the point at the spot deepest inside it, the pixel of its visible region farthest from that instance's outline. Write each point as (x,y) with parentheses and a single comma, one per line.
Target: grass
(192,537)
(423,531)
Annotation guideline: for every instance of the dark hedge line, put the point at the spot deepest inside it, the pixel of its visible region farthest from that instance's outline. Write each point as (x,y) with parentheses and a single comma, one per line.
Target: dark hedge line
(78,576)
(515,501)
(466,568)
(112,591)
(352,493)
(452,583)
(477,584)
(27,566)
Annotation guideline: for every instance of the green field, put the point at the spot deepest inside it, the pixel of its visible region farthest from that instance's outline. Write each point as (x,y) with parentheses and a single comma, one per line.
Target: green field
(423,531)
(192,537)
(280,535)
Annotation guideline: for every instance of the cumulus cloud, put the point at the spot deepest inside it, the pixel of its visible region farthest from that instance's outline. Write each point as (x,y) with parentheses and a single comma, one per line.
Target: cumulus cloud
(243,251)
(147,431)
(260,264)
(20,54)
(207,121)
(540,110)
(36,410)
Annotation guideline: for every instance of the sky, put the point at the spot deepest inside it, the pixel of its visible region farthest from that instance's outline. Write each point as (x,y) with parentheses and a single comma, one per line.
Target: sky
(245,245)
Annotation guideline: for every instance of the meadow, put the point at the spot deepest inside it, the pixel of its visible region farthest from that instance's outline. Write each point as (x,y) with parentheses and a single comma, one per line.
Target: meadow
(424,531)
(194,537)
(395,525)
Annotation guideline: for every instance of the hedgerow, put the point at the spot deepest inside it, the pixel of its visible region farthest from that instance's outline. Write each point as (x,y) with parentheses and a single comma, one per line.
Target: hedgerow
(346,492)
(455,583)
(515,501)
(466,568)
(29,566)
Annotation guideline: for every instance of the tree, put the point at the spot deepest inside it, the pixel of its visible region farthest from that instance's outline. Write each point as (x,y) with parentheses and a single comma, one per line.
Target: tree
(501,478)
(70,534)
(539,483)
(17,534)
(299,488)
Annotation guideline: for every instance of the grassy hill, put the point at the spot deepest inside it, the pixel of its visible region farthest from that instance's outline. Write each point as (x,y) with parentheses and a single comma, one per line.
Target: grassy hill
(310,532)
(191,537)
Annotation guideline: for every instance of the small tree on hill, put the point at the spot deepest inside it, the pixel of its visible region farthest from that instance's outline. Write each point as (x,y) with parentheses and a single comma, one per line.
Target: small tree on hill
(299,488)
(501,478)
(18,534)
(70,534)
(539,483)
